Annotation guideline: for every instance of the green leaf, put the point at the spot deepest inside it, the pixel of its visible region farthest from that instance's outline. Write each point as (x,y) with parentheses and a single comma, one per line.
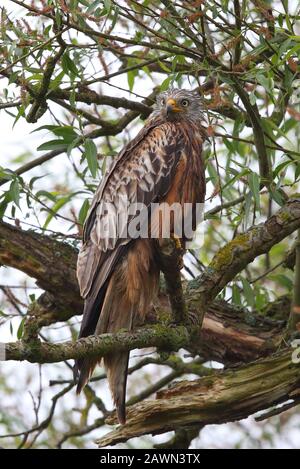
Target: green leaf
(276,195)
(248,292)
(213,175)
(252,98)
(107,5)
(282,166)
(56,81)
(68,65)
(34,179)
(261,298)
(280,132)
(130,78)
(236,295)
(3,314)
(32,297)
(283,280)
(46,194)
(166,83)
(254,184)
(73,4)
(297,171)
(72,98)
(53,145)
(21,113)
(93,6)
(58,18)
(236,178)
(265,82)
(55,208)
(90,153)
(83,211)
(75,143)
(164,67)
(3,206)
(6,173)
(229,145)
(115,17)
(66,132)
(14,192)
(44,127)
(20,329)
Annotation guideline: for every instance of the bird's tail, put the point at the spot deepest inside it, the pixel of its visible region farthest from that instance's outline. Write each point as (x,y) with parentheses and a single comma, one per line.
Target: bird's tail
(129,293)
(83,371)
(117,313)
(116,366)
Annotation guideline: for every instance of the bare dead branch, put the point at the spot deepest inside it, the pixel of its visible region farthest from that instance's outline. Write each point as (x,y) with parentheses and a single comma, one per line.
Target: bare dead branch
(228,396)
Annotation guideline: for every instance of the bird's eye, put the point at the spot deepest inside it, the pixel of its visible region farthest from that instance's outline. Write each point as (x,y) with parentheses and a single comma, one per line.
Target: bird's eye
(185,103)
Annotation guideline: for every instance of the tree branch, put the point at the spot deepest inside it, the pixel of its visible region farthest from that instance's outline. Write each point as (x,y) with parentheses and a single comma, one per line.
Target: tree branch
(241,251)
(294,319)
(170,257)
(230,260)
(39,106)
(164,337)
(50,262)
(228,396)
(258,134)
(108,128)
(88,96)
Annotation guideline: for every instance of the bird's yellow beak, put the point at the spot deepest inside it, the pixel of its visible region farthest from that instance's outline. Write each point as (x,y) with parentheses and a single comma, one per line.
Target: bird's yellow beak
(171,106)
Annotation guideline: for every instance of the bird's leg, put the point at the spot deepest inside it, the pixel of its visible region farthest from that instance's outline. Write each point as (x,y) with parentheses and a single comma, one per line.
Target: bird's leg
(179,250)
(171,261)
(176,241)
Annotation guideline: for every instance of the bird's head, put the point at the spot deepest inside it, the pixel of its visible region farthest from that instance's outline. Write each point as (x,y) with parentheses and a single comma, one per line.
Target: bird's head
(176,104)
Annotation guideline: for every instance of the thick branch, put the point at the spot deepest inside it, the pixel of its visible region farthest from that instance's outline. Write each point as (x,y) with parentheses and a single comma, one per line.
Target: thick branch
(51,262)
(170,258)
(39,105)
(294,320)
(164,337)
(258,134)
(226,397)
(241,251)
(88,96)
(34,254)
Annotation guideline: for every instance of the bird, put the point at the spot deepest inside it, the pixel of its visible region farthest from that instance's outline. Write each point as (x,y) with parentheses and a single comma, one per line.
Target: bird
(118,275)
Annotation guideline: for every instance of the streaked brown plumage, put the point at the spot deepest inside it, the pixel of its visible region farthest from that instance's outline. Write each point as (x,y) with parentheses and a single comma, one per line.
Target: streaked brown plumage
(118,277)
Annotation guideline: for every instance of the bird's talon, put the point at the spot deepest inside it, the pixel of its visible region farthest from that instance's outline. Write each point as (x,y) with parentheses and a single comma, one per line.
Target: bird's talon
(177,242)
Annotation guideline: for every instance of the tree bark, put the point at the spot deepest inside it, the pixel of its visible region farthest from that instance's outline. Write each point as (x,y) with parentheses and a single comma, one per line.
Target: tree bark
(225,397)
(226,336)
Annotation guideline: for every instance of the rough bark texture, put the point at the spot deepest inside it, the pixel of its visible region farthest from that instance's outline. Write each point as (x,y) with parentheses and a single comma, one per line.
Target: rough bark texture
(35,351)
(226,396)
(229,334)
(51,262)
(242,250)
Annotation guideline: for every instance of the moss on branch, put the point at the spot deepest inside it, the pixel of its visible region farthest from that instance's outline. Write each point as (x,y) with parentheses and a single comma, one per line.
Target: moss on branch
(162,336)
(241,251)
(225,397)
(53,265)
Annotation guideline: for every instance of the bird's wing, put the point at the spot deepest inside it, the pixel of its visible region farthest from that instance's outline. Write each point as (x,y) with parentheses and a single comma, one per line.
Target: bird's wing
(142,173)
